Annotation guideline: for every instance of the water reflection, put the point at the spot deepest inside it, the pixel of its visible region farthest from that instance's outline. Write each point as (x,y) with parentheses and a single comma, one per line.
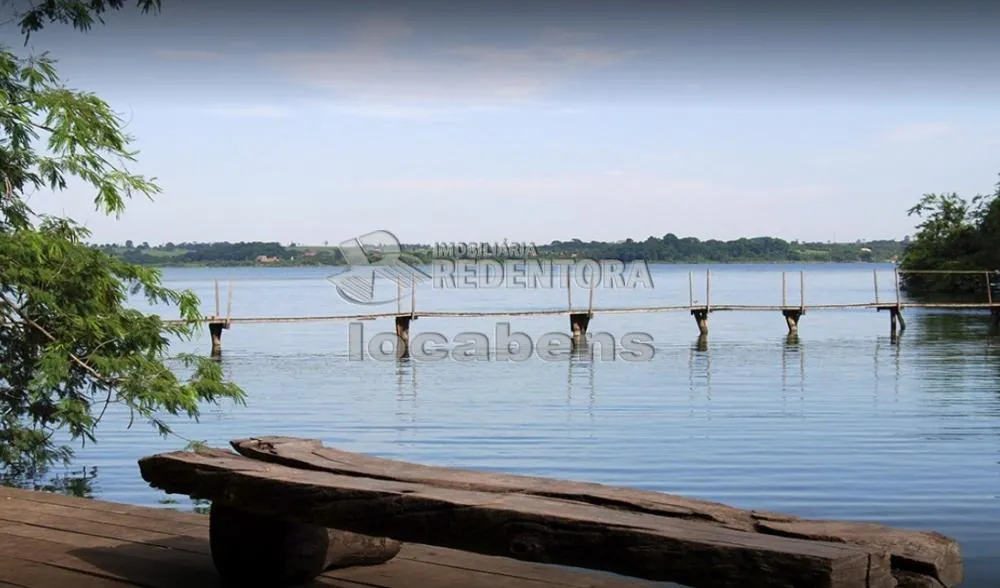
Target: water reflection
(894,349)
(580,377)
(792,353)
(406,389)
(79,483)
(700,370)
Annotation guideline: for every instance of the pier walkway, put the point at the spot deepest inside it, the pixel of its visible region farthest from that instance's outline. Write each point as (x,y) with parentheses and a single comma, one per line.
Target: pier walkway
(580,317)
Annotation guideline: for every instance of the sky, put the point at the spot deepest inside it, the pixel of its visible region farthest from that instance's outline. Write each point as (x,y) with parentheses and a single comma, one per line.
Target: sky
(315,122)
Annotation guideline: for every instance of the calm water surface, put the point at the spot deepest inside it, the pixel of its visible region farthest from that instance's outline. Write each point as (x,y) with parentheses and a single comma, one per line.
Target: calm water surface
(841,422)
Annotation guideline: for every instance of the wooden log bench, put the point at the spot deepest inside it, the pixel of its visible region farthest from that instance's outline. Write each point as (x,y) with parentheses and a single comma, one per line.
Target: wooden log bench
(285,509)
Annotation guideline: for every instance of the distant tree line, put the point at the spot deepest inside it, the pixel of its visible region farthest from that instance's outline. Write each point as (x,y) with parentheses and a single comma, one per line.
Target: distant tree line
(222,253)
(668,249)
(674,249)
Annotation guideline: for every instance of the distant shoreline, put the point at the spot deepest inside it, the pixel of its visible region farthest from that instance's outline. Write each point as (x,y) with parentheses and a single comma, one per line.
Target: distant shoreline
(281,265)
(668,249)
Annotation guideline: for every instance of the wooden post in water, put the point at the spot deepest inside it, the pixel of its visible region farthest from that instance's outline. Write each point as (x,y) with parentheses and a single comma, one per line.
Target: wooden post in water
(701,314)
(402,336)
(895,271)
(218,310)
(578,323)
(994,311)
(708,288)
(215,330)
(792,315)
(229,302)
(413,299)
(875,279)
(590,303)
(896,312)
(691,289)
(802,291)
(569,291)
(701,317)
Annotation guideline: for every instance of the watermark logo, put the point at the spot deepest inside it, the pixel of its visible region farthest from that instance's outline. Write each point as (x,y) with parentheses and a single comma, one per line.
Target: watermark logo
(502,345)
(471,265)
(370,256)
(540,273)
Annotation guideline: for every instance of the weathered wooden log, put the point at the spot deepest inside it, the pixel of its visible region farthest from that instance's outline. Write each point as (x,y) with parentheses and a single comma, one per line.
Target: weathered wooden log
(906,579)
(311,454)
(522,526)
(918,552)
(254,549)
(924,553)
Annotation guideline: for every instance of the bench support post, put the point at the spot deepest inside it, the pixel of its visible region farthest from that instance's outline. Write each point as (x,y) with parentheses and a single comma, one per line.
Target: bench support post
(253,549)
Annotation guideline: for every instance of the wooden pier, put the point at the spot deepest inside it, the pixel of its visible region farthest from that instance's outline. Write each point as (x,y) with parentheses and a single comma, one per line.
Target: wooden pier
(580,318)
(49,540)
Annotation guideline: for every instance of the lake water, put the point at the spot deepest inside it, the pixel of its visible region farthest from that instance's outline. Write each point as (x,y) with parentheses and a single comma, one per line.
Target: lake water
(841,423)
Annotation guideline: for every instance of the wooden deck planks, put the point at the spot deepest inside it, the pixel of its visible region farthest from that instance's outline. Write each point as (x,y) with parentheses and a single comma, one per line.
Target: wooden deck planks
(48,540)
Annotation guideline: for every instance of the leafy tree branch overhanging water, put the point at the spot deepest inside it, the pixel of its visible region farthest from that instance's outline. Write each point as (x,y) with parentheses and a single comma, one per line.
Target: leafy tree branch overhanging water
(69,345)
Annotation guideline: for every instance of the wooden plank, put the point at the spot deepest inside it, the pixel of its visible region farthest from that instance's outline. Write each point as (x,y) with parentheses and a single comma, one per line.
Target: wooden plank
(144,565)
(102,506)
(28,574)
(52,512)
(36,515)
(521,526)
(459,564)
(141,564)
(915,551)
(84,516)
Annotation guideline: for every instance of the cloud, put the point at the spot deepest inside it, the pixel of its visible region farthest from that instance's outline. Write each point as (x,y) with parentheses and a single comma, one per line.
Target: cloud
(248,110)
(388,62)
(188,55)
(910,133)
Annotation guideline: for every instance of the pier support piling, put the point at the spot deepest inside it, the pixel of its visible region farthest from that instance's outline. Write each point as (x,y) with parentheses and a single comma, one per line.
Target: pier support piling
(792,317)
(995,318)
(215,330)
(896,318)
(701,317)
(578,323)
(403,336)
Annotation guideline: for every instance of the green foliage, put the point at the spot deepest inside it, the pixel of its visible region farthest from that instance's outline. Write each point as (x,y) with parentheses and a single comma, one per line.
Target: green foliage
(69,344)
(953,235)
(673,249)
(224,253)
(81,14)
